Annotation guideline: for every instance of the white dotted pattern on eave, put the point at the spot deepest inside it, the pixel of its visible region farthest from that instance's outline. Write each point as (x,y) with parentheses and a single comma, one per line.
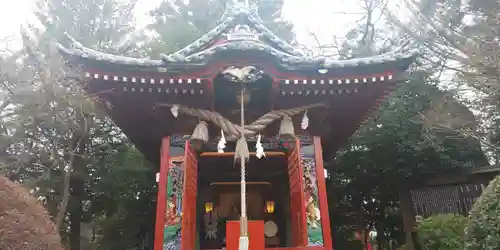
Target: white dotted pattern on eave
(357,80)
(177,89)
(175,85)
(338,91)
(142,79)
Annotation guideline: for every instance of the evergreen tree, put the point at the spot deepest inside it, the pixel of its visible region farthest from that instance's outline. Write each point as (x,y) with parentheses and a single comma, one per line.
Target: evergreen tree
(178,23)
(483,230)
(57,138)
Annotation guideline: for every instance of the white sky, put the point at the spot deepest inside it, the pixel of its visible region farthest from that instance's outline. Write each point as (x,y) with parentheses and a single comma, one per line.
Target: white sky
(307,15)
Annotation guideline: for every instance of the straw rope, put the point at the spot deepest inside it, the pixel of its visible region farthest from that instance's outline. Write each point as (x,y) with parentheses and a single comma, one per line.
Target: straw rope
(234,130)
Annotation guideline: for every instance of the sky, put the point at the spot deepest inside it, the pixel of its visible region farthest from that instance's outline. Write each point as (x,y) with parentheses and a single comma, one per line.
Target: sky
(325,18)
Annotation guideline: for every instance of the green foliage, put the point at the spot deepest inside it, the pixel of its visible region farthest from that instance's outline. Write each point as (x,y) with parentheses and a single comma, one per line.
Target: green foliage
(123,193)
(395,147)
(443,232)
(483,229)
(105,25)
(397,141)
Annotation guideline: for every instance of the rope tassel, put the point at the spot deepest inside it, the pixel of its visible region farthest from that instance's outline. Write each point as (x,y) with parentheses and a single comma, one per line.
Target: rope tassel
(200,135)
(286,128)
(200,132)
(241,151)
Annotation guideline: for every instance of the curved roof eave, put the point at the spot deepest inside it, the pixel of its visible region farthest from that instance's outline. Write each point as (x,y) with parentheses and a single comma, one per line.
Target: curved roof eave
(205,56)
(78,50)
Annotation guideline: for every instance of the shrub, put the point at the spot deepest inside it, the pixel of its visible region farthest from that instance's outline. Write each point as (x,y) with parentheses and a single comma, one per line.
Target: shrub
(483,229)
(443,232)
(24,223)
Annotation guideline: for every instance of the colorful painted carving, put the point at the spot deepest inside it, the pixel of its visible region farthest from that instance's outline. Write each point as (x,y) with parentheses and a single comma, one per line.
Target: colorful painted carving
(314,229)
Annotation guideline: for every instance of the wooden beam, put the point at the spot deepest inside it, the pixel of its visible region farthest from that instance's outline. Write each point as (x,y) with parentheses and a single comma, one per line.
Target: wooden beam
(226,154)
(462,177)
(161,200)
(238,183)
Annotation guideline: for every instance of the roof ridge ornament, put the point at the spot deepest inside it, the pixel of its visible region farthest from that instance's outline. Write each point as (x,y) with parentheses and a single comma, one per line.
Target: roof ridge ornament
(242,32)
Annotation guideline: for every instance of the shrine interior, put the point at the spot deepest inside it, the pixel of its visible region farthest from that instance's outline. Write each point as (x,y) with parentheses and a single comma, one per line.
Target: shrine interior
(219,197)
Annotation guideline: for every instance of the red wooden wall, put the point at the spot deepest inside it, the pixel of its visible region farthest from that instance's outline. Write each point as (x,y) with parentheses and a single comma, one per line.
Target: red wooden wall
(297,197)
(188,231)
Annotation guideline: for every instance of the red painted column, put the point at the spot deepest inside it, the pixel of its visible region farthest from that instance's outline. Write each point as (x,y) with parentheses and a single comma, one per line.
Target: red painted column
(297,197)
(161,200)
(323,201)
(189,194)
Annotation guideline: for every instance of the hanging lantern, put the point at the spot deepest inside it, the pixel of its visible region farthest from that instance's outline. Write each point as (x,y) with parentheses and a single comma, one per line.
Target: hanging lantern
(209,207)
(200,135)
(269,207)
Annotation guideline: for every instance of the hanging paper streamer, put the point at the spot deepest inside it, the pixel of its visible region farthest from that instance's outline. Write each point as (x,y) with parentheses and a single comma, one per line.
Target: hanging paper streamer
(260,149)
(222,142)
(305,121)
(175,110)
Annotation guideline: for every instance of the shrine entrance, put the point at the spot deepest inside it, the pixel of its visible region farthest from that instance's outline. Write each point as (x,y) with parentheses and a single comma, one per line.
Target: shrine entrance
(267,198)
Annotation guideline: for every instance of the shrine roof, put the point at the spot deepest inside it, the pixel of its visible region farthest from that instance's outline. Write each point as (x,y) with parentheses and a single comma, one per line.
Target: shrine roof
(130,89)
(241,30)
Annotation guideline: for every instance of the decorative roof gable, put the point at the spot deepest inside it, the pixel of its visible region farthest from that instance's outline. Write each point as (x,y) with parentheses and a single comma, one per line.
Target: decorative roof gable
(239,23)
(242,29)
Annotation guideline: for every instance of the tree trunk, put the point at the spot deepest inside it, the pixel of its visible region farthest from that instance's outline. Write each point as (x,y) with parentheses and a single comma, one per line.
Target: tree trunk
(77,195)
(64,200)
(360,212)
(380,223)
(408,217)
(77,188)
(78,191)
(76,147)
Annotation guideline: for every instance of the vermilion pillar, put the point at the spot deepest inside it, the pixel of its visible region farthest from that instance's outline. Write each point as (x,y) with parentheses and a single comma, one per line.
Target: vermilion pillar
(161,200)
(189,194)
(297,197)
(323,201)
